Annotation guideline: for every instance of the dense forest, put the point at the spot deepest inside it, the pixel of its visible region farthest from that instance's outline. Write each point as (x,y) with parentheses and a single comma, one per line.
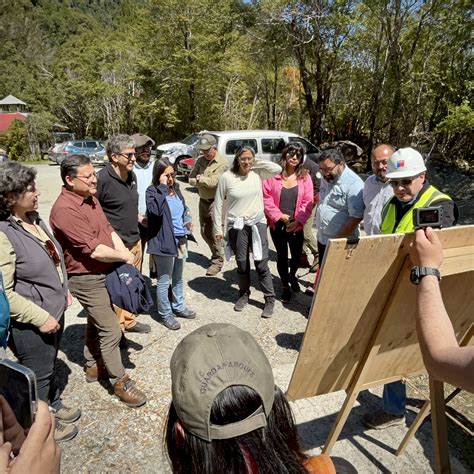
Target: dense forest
(364,70)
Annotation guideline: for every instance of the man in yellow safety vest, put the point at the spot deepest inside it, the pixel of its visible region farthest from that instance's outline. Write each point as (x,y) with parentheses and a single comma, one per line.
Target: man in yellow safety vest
(411,189)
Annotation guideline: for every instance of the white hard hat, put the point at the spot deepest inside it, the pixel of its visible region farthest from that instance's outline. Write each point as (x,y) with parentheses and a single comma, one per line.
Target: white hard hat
(405,163)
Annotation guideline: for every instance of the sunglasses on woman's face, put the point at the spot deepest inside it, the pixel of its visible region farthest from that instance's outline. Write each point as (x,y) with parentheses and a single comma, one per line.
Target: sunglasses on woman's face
(293,153)
(170,175)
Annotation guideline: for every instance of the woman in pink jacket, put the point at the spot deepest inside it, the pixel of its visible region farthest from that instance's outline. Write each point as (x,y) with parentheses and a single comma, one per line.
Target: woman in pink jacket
(288,201)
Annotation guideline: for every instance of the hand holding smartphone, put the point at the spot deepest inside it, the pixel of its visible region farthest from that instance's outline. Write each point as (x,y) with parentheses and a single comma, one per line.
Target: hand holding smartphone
(26,425)
(18,387)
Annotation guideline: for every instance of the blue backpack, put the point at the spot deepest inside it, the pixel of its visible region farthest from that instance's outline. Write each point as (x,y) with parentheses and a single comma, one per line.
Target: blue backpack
(4,315)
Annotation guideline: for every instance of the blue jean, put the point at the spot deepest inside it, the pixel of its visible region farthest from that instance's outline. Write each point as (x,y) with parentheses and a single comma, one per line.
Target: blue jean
(169,270)
(394,398)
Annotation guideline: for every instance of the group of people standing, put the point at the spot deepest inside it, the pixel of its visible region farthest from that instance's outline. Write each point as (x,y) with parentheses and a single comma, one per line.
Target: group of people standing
(98,222)
(102,220)
(254,195)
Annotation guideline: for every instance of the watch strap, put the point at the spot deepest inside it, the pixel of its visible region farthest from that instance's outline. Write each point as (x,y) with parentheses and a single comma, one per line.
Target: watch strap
(417,273)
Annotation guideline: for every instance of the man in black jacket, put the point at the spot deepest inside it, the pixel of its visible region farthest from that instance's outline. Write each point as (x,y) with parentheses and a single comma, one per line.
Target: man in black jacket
(118,196)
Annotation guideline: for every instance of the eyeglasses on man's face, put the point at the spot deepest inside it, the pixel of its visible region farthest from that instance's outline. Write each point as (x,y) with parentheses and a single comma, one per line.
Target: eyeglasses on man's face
(87,177)
(324,170)
(395,183)
(129,156)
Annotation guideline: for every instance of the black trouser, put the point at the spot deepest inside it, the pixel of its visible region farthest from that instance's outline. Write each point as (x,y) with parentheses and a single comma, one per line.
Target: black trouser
(282,240)
(321,251)
(241,243)
(39,352)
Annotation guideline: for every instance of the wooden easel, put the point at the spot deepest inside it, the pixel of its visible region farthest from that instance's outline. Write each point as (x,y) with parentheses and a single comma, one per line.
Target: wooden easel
(361,331)
(442,462)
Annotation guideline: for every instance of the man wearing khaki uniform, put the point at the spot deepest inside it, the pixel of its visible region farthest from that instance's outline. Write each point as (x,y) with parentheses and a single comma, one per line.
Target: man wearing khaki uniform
(205,175)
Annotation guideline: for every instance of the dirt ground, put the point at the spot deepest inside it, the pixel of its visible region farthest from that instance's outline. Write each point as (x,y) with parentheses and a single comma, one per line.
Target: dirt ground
(114,438)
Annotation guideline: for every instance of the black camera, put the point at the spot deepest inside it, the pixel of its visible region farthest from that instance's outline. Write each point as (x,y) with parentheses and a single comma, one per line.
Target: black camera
(427,217)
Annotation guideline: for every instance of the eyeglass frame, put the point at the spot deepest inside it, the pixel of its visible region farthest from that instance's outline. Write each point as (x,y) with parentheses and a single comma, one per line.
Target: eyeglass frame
(328,170)
(129,156)
(404,182)
(52,252)
(86,179)
(293,152)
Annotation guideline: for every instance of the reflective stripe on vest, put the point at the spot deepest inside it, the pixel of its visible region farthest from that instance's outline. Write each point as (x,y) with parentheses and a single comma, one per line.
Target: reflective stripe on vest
(389,212)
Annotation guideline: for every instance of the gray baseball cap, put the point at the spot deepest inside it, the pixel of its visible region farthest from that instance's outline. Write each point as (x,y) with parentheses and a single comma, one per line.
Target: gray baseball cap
(206,141)
(141,140)
(207,361)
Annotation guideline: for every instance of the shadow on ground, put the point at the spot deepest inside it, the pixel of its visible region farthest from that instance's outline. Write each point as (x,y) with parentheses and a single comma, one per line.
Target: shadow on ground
(313,434)
(290,341)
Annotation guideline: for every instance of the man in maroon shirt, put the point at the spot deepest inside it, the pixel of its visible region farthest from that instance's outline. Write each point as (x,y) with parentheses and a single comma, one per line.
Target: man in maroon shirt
(90,248)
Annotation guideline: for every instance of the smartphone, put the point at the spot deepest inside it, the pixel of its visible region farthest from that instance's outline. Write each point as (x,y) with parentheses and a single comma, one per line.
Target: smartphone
(427,217)
(18,388)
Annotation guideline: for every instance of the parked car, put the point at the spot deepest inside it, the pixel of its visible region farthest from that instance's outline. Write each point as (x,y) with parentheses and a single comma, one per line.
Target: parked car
(92,148)
(185,166)
(178,151)
(268,145)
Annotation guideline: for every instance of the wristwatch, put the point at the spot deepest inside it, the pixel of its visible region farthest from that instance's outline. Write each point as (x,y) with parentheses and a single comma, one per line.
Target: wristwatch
(417,273)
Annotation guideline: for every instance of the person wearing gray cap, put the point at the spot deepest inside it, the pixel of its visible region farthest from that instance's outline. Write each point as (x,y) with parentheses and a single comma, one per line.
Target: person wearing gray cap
(227,414)
(205,175)
(143,169)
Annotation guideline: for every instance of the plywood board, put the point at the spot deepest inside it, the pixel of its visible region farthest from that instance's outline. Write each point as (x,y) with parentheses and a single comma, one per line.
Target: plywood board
(364,299)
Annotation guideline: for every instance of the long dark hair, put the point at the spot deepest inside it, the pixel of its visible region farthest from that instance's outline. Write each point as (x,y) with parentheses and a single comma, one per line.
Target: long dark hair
(158,169)
(272,449)
(235,163)
(300,170)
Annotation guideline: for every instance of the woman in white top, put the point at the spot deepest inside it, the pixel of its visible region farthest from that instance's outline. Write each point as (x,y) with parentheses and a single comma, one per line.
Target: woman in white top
(246,225)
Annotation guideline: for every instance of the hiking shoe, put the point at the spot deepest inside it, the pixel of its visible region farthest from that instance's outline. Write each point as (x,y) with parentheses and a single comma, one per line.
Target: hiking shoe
(67,415)
(64,432)
(295,286)
(170,322)
(127,391)
(269,306)
(139,328)
(213,270)
(186,314)
(379,420)
(242,302)
(97,372)
(286,294)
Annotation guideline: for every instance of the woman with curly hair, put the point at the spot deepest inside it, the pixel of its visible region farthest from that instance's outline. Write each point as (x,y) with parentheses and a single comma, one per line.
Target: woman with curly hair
(32,265)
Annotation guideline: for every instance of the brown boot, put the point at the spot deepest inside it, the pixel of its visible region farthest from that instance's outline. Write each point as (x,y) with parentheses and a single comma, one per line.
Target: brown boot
(96,372)
(126,390)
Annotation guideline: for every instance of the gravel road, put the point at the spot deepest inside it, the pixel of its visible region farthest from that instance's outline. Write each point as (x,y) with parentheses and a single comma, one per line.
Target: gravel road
(114,438)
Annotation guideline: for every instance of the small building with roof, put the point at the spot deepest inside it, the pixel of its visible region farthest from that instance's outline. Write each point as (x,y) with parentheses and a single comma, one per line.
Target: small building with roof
(11,108)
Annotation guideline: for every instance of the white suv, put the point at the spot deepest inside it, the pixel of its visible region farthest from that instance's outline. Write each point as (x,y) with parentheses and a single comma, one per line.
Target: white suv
(267,144)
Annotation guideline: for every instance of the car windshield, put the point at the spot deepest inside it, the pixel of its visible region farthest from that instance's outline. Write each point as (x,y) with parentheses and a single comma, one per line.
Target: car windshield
(190,139)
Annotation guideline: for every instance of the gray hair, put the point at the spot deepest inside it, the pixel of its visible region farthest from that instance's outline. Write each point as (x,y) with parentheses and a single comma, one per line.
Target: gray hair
(71,164)
(117,143)
(14,179)
(332,154)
